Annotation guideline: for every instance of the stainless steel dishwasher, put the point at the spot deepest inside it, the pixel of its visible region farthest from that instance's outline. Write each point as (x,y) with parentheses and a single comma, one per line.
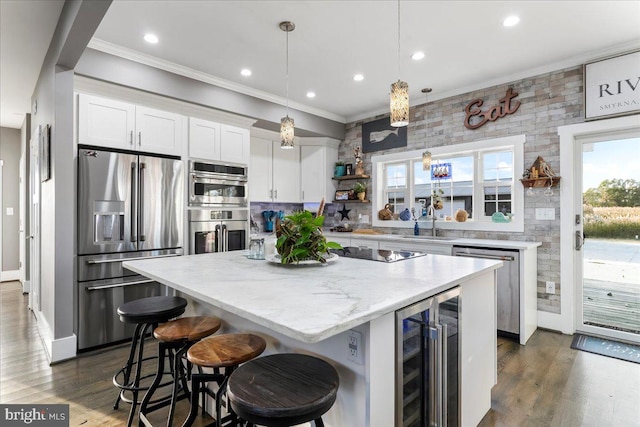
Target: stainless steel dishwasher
(508,286)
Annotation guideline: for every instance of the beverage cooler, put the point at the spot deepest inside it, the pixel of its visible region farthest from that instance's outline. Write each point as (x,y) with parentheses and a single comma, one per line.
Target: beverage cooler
(427,362)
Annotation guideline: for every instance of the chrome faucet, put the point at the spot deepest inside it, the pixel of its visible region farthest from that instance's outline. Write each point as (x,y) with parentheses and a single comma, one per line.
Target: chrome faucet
(431,211)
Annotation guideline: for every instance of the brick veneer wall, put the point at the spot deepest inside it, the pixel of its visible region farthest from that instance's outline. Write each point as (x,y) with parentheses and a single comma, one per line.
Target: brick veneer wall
(547,101)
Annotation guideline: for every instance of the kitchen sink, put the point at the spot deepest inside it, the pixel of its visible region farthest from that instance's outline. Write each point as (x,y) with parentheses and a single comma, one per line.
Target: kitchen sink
(430,237)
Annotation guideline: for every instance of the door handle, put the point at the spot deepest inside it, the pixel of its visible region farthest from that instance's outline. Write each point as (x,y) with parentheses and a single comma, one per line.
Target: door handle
(130,137)
(225,237)
(29,237)
(139,138)
(119,285)
(218,239)
(107,261)
(143,166)
(134,231)
(276,193)
(579,240)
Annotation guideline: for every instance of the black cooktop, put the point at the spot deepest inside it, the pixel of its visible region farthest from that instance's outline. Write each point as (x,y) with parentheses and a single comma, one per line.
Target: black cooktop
(376,254)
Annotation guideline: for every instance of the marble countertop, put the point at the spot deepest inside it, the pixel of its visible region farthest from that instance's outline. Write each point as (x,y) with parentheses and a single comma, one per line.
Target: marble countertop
(310,303)
(453,241)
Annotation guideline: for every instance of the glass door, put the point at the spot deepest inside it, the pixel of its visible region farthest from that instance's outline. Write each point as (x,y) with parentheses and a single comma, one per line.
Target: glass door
(608,246)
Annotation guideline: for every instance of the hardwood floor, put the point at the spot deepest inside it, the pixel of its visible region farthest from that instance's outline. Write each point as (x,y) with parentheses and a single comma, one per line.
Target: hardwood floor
(545,383)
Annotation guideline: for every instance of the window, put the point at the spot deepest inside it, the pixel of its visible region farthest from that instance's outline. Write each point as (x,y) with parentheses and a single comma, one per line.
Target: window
(482,181)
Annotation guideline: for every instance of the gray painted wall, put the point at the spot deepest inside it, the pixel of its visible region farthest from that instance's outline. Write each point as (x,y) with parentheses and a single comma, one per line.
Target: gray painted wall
(102,66)
(25,139)
(54,95)
(10,154)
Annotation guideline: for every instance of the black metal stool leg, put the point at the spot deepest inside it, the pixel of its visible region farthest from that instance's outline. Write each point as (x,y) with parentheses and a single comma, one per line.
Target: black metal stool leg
(154,385)
(195,391)
(136,380)
(178,375)
(318,422)
(127,367)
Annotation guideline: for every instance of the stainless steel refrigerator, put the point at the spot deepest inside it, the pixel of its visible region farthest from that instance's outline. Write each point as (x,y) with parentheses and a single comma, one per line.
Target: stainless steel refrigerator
(427,362)
(130,206)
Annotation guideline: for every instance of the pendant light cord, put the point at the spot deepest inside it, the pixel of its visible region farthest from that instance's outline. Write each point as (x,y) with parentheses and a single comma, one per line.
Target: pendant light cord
(398,39)
(287,73)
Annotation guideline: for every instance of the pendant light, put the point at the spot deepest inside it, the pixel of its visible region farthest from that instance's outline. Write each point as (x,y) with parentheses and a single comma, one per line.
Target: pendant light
(426,156)
(399,97)
(286,123)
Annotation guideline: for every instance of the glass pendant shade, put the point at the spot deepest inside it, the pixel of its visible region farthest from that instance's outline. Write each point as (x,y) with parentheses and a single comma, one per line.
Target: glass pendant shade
(426,160)
(399,104)
(286,132)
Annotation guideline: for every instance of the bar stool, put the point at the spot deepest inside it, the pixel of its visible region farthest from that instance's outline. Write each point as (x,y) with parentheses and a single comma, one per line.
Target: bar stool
(146,313)
(283,390)
(175,338)
(220,352)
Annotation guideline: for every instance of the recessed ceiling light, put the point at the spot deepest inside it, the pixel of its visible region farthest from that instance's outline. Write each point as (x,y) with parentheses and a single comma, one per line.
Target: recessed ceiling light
(417,56)
(311,94)
(358,77)
(151,38)
(510,21)
(245,72)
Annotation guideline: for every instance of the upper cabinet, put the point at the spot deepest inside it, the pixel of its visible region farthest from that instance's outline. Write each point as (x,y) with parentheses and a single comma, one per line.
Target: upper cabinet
(274,173)
(114,124)
(218,142)
(316,171)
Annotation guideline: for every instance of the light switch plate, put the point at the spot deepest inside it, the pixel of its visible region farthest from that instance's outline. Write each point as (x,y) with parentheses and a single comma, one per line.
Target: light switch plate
(9,211)
(545,214)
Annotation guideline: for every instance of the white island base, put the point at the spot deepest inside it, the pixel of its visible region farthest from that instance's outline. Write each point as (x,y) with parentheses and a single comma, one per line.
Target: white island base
(253,296)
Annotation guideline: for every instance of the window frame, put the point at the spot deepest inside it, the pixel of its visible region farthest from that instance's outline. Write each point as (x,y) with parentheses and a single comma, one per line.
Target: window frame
(477,148)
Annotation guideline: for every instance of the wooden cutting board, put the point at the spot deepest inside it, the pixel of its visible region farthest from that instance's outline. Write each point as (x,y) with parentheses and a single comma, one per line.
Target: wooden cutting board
(367,231)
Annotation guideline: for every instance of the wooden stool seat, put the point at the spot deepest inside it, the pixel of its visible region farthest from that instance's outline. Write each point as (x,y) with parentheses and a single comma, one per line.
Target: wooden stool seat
(283,390)
(187,329)
(226,350)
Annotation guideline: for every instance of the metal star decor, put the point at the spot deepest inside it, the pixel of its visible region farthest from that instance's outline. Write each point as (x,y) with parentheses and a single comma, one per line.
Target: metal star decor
(344,213)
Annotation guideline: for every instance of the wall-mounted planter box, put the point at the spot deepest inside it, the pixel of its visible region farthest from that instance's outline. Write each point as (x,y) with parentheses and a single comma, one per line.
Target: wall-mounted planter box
(541,182)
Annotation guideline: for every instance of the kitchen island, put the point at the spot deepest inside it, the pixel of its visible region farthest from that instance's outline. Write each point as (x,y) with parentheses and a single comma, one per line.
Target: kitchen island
(311,309)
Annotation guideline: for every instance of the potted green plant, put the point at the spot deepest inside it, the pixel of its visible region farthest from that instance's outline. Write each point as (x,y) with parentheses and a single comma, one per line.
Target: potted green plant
(300,238)
(360,189)
(340,169)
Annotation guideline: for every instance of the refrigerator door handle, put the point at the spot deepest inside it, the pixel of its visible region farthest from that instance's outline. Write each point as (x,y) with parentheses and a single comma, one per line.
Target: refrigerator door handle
(143,166)
(133,215)
(119,285)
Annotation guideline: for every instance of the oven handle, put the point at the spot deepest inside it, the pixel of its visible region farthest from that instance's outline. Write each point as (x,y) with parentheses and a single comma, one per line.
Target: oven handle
(496,257)
(225,237)
(106,261)
(119,285)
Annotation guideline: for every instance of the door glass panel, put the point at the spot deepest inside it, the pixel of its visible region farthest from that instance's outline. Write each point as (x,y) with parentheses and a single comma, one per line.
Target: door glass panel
(205,242)
(415,372)
(237,240)
(611,228)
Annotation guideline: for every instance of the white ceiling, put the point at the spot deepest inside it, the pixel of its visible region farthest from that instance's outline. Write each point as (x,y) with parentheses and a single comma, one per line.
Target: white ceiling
(465,43)
(26,29)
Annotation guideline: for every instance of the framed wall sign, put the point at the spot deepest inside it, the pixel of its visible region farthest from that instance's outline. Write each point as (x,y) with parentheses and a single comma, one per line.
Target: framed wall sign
(441,171)
(612,87)
(380,135)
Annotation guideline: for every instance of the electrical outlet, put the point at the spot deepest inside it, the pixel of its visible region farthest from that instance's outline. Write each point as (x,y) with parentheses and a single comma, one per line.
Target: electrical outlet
(354,347)
(551,287)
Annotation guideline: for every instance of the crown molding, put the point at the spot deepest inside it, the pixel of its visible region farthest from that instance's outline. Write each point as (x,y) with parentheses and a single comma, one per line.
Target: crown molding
(568,62)
(172,67)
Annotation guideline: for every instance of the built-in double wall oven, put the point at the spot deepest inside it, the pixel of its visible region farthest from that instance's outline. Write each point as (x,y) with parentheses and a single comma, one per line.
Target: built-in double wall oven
(218,207)
(217,184)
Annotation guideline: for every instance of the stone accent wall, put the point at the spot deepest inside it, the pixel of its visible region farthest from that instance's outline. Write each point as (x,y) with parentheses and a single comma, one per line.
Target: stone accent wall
(547,101)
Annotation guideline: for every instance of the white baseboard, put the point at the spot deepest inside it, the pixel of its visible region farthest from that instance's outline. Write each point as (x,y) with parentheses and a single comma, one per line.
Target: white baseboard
(59,349)
(554,322)
(8,276)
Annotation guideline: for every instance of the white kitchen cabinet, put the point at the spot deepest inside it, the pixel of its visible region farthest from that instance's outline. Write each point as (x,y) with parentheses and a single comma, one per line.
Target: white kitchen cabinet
(218,142)
(436,249)
(274,173)
(316,170)
(234,144)
(114,124)
(204,139)
(158,131)
(106,122)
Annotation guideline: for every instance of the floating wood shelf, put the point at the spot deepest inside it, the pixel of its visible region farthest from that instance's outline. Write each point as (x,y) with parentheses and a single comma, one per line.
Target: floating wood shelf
(351,201)
(347,177)
(541,182)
